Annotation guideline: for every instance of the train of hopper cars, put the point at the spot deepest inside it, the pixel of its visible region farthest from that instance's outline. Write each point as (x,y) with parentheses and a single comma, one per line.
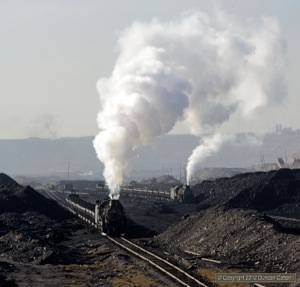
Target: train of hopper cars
(108,215)
(179,193)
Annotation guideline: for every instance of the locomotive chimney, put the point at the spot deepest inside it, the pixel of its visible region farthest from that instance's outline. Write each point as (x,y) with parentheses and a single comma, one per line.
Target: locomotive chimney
(114,203)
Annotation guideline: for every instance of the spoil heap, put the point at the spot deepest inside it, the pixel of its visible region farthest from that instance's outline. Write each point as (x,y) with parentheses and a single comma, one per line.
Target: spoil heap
(6,180)
(238,238)
(30,226)
(241,223)
(278,190)
(265,191)
(20,199)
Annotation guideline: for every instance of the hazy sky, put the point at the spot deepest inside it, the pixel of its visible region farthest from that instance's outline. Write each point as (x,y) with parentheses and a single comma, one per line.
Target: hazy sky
(53,53)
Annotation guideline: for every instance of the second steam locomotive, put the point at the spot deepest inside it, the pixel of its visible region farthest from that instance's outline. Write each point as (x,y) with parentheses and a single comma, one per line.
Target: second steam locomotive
(107,215)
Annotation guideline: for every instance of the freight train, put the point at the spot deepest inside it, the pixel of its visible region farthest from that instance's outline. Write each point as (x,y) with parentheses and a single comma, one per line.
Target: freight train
(108,215)
(179,193)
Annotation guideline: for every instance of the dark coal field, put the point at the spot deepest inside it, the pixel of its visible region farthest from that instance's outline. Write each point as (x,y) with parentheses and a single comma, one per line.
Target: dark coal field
(247,223)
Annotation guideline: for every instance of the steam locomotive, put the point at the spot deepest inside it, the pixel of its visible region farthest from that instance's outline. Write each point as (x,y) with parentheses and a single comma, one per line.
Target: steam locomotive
(181,193)
(107,215)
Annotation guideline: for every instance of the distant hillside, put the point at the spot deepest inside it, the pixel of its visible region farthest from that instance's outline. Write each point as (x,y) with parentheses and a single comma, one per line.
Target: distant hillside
(75,157)
(42,157)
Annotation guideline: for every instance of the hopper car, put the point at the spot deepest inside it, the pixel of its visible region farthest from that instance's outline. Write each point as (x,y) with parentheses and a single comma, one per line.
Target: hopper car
(179,193)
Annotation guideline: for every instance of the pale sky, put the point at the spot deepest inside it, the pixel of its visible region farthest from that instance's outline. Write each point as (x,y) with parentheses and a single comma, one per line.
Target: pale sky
(53,53)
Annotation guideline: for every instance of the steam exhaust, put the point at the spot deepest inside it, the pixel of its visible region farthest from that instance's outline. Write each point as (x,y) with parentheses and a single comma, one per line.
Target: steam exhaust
(197,69)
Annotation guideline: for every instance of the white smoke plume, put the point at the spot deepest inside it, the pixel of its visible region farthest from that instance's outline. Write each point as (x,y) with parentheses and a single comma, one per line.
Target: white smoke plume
(210,145)
(197,69)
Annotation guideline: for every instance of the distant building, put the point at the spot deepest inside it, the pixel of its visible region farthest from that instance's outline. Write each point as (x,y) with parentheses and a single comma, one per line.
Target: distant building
(278,129)
(296,163)
(68,187)
(283,131)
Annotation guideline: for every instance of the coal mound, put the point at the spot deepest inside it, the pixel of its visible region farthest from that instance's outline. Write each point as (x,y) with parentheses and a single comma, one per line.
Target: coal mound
(263,191)
(31,227)
(277,189)
(19,199)
(236,237)
(5,179)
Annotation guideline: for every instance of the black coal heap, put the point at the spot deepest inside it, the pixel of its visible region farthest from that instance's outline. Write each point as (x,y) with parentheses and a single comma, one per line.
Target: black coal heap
(5,179)
(264,191)
(20,199)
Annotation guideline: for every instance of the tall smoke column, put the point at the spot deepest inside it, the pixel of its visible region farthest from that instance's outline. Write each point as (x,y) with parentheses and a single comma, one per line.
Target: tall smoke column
(197,69)
(208,147)
(213,144)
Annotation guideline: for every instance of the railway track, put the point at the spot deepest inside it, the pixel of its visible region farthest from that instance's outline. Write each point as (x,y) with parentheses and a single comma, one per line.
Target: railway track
(171,271)
(168,269)
(55,197)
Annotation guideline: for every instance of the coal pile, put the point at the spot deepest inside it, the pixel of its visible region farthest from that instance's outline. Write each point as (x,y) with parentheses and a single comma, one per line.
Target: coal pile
(278,189)
(29,223)
(30,228)
(19,199)
(264,191)
(6,180)
(238,238)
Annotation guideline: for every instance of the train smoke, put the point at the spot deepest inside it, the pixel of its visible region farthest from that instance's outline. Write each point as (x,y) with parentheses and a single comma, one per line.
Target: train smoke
(210,145)
(197,69)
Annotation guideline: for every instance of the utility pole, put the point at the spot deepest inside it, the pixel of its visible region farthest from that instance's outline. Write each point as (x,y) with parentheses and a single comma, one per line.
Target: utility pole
(68,171)
(180,171)
(285,157)
(262,160)
(238,122)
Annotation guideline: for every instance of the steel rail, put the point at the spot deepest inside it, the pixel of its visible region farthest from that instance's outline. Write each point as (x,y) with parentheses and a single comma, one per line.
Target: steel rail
(165,261)
(159,259)
(55,197)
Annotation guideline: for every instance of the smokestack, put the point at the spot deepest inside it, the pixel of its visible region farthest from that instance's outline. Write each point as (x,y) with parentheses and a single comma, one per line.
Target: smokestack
(198,69)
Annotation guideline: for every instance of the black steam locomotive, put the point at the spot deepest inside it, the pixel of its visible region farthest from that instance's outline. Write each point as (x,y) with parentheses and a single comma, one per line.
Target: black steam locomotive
(107,215)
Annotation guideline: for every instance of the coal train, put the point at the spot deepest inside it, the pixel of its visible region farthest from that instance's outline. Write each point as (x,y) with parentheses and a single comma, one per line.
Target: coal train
(178,193)
(108,215)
